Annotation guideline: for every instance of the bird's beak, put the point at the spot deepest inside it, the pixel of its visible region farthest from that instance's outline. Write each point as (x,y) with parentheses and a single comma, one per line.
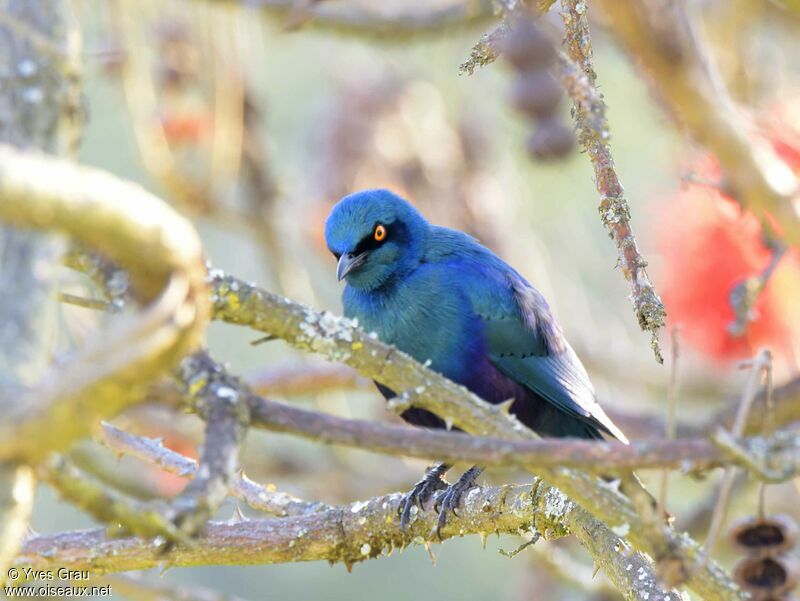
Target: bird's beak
(348,262)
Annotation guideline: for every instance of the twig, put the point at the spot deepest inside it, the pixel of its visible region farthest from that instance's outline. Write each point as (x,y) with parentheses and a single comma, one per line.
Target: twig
(256,496)
(594,136)
(164,256)
(748,396)
(486,50)
(744,295)
(489,46)
(769,408)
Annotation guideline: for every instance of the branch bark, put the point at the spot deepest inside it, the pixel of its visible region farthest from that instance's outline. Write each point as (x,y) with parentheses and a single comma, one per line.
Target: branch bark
(579,79)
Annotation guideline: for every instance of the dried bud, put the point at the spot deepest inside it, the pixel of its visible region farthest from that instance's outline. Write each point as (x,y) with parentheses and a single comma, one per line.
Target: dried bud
(536,93)
(766,577)
(551,140)
(775,533)
(527,47)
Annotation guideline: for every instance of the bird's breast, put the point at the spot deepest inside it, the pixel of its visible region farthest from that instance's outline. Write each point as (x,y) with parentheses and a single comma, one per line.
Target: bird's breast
(429,319)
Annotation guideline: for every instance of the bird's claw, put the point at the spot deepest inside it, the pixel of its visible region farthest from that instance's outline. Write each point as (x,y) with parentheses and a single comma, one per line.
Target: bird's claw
(451,498)
(419,495)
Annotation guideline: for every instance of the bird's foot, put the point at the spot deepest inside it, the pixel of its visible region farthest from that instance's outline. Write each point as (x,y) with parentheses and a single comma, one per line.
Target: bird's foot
(451,498)
(432,481)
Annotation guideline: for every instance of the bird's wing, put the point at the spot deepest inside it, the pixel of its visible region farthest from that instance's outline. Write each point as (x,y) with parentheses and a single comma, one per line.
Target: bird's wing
(526,344)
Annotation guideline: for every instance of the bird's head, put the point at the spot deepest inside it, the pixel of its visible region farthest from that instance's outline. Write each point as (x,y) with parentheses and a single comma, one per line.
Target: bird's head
(376,236)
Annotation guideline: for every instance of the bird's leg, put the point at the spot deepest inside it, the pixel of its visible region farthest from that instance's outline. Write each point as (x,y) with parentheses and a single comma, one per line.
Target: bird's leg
(432,481)
(451,498)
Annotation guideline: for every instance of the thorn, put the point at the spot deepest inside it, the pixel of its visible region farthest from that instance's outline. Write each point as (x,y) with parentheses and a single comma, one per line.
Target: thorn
(448,423)
(31,532)
(431,554)
(505,406)
(484,537)
(262,340)
(596,570)
(163,567)
(238,517)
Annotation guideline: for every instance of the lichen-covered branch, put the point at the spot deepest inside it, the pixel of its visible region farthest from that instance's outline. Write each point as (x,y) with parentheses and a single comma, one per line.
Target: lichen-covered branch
(347,534)
(340,340)
(660,37)
(163,256)
(351,534)
(355,533)
(579,79)
(240,486)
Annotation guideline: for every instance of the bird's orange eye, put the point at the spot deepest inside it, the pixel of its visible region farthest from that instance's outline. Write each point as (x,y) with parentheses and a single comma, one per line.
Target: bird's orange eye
(380,233)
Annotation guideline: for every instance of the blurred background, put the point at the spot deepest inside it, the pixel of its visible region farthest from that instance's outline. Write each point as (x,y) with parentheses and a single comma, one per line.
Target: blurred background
(253,124)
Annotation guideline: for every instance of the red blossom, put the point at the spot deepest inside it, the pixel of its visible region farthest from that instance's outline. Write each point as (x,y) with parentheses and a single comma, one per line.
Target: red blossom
(709,245)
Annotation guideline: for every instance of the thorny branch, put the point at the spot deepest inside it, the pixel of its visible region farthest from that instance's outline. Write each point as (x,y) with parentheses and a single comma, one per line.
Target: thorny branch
(348,534)
(354,533)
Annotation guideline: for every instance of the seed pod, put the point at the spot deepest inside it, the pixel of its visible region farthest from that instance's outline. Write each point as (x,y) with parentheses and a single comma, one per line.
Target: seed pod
(536,93)
(527,47)
(775,533)
(766,577)
(551,140)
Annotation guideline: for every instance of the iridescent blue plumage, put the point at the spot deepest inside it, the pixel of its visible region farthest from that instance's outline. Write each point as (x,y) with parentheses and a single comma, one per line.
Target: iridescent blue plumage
(440,296)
